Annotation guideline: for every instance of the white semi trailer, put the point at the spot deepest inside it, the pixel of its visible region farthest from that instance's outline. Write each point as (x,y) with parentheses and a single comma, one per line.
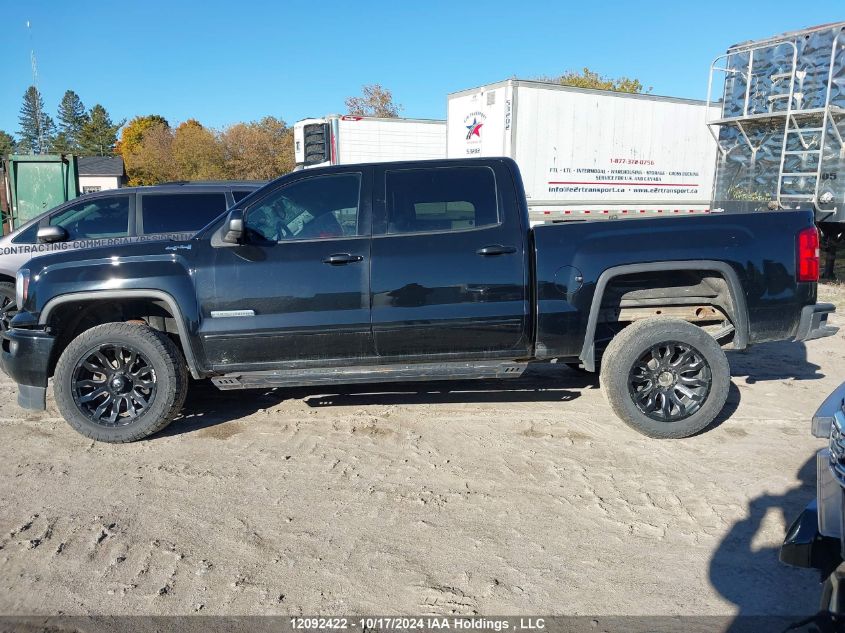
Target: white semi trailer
(342,139)
(590,154)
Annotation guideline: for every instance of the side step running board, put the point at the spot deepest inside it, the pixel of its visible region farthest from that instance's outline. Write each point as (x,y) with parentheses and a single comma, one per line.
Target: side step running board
(369,374)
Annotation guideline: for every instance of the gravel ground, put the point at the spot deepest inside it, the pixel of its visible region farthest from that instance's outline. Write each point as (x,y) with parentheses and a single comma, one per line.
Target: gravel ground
(474,497)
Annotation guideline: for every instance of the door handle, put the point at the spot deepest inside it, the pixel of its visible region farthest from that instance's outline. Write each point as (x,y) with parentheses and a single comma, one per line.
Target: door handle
(496,249)
(338,259)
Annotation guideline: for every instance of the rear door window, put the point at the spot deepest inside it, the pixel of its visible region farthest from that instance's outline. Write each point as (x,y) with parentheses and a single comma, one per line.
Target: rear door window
(441,199)
(95,218)
(179,212)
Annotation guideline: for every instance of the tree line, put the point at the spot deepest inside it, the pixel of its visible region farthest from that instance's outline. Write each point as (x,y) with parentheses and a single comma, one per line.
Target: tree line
(153,151)
(87,132)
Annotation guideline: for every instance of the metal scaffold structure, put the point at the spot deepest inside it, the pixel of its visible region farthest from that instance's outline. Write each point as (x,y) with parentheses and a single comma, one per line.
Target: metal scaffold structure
(781,123)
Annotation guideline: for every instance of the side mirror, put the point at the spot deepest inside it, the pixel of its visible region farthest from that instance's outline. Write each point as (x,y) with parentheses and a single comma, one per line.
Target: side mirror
(50,234)
(233,228)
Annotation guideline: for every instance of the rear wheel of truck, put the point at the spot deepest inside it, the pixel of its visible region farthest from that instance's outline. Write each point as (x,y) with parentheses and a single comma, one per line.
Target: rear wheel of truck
(120,382)
(7,304)
(665,378)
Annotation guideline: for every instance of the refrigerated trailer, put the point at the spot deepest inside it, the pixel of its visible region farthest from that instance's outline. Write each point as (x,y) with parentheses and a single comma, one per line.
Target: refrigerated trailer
(340,140)
(590,154)
(779,119)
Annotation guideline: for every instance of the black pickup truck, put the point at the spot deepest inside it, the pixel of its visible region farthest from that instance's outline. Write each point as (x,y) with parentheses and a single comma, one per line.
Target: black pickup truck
(410,271)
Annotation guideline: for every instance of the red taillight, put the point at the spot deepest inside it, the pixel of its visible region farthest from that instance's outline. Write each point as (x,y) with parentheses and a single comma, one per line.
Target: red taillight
(808,255)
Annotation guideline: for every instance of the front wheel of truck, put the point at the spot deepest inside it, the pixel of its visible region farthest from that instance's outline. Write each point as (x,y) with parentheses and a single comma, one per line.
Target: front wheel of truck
(665,378)
(120,382)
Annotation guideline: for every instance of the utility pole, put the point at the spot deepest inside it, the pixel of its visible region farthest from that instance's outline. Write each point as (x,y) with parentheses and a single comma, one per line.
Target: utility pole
(39,116)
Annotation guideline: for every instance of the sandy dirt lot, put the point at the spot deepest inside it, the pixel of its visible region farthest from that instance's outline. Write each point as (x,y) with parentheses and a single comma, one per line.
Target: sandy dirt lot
(497,498)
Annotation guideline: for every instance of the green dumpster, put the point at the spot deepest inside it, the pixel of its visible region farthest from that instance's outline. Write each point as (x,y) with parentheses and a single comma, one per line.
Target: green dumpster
(37,183)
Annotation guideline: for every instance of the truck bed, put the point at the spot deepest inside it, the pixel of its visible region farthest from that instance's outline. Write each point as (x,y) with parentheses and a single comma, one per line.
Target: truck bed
(757,253)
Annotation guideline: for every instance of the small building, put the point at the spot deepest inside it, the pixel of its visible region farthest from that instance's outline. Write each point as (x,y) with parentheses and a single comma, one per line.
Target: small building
(97,173)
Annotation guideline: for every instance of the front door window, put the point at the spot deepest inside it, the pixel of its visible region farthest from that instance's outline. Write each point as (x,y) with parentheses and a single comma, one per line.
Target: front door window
(323,207)
(96,218)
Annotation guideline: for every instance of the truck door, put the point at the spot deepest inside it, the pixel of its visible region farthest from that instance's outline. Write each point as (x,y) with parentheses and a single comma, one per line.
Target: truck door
(449,274)
(298,288)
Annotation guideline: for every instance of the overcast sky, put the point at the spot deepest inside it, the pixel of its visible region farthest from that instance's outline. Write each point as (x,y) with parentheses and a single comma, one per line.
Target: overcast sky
(223,62)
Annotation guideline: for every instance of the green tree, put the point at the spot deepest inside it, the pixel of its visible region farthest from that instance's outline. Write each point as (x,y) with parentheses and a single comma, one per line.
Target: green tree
(260,150)
(133,132)
(61,144)
(98,135)
(50,134)
(374,101)
(7,143)
(143,141)
(37,130)
(151,161)
(590,79)
(197,152)
(72,118)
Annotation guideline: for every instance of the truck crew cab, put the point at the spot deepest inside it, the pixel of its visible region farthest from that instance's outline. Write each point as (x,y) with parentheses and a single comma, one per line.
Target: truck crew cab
(410,271)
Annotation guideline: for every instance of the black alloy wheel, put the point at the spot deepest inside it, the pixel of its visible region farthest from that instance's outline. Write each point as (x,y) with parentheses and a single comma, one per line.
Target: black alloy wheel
(670,381)
(113,384)
(665,377)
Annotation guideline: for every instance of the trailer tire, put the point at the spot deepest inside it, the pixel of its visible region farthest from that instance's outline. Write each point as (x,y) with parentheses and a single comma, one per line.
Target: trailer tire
(120,382)
(665,378)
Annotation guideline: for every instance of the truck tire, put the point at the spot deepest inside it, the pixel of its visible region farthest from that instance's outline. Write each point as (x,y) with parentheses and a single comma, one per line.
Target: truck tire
(120,382)
(7,304)
(665,378)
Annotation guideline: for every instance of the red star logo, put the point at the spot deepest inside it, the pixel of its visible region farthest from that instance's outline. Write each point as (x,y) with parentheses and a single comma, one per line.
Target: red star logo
(474,129)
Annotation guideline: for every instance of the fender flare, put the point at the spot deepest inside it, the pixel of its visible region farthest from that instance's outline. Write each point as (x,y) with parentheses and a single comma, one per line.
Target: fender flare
(738,313)
(159,295)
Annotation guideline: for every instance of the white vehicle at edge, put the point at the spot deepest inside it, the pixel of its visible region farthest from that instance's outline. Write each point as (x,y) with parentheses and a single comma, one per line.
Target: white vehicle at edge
(342,140)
